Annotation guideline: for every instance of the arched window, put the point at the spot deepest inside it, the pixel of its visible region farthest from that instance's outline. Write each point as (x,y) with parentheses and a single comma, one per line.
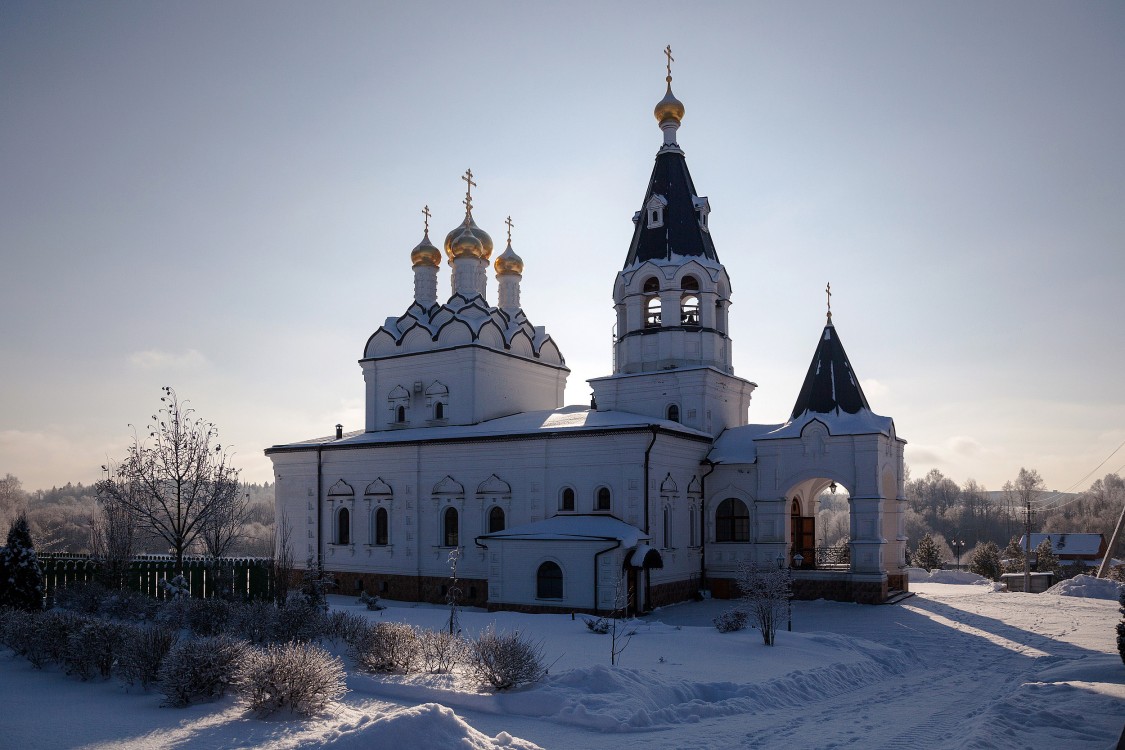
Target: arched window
(603,499)
(382,527)
(732,521)
(495,519)
(439,410)
(673,413)
(566,499)
(652,285)
(690,284)
(689,310)
(449,527)
(343,527)
(667,528)
(549,581)
(652,312)
(400,414)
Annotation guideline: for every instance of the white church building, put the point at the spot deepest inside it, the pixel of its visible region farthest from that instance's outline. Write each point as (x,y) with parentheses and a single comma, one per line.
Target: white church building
(653,494)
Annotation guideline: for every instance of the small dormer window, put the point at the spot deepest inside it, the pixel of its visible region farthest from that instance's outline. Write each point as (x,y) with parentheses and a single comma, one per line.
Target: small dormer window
(702,209)
(439,410)
(400,414)
(673,413)
(654,211)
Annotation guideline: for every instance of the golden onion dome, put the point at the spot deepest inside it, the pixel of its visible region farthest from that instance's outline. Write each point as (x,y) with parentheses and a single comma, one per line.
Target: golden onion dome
(508,262)
(482,236)
(466,245)
(669,108)
(425,254)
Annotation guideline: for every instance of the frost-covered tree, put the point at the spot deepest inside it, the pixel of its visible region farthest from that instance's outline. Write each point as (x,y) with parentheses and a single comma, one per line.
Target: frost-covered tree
(765,591)
(985,561)
(926,554)
(1012,556)
(1046,561)
(177,480)
(21,577)
(112,536)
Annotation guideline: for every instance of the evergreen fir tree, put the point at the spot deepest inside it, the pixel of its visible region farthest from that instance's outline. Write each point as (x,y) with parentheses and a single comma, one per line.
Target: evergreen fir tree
(1121,627)
(1013,556)
(926,554)
(21,577)
(1045,559)
(985,561)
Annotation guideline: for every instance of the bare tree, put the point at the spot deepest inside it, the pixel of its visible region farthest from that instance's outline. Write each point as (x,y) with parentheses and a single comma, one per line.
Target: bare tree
(227,525)
(282,559)
(112,536)
(765,590)
(177,479)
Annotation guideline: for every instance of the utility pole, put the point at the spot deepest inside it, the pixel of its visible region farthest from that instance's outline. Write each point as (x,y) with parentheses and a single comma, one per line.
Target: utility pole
(1112,543)
(1027,548)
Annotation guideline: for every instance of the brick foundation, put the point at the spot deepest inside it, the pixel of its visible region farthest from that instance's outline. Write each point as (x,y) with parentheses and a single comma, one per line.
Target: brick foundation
(432,589)
(804,588)
(899,581)
(673,592)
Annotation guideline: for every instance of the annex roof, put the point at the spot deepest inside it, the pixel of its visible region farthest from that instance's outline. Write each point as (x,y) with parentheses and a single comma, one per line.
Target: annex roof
(568,419)
(573,528)
(831,386)
(1070,544)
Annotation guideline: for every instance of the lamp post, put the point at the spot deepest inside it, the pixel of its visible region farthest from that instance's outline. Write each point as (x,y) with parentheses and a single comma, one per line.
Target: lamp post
(957,547)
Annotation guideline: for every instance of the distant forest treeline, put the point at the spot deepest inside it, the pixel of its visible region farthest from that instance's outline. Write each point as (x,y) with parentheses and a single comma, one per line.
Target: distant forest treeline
(61,516)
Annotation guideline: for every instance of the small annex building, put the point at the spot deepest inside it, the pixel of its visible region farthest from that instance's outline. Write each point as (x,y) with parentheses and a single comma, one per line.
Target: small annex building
(659,490)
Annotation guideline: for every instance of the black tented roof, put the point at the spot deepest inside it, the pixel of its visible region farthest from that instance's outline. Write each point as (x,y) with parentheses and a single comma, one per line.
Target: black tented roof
(831,385)
(680,233)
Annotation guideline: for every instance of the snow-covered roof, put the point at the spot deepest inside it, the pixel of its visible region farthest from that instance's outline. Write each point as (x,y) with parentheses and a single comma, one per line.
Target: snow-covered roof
(1069,544)
(565,420)
(573,528)
(863,422)
(736,445)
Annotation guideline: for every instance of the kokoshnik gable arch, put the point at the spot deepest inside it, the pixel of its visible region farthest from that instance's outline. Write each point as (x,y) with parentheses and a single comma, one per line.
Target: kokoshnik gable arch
(659,489)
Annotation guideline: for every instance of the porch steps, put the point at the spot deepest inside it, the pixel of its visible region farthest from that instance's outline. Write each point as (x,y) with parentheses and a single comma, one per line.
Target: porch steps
(894,596)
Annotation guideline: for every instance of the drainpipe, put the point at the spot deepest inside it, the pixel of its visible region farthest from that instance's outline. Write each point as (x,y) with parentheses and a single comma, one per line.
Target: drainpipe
(648,451)
(319,523)
(703,523)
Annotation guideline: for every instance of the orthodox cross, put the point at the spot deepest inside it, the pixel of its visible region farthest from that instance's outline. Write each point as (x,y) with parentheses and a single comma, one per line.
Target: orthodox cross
(828,291)
(426,211)
(510,225)
(668,54)
(469,185)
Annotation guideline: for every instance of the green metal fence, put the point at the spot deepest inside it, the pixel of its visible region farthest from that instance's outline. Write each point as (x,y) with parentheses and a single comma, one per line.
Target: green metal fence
(248,577)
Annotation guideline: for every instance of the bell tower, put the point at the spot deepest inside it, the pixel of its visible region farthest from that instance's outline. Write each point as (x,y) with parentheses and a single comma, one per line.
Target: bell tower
(672,349)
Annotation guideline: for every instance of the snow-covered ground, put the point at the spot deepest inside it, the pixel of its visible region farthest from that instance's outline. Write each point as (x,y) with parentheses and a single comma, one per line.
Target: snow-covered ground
(959,665)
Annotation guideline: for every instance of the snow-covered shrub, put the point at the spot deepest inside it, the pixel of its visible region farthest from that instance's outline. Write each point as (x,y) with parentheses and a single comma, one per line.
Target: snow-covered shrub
(128,605)
(200,668)
(299,619)
(208,616)
(93,648)
(985,561)
(81,597)
(765,593)
(41,638)
(143,652)
(300,677)
(599,625)
(344,626)
(21,577)
(371,601)
(254,621)
(731,620)
(177,588)
(387,647)
(506,660)
(173,614)
(442,650)
(316,582)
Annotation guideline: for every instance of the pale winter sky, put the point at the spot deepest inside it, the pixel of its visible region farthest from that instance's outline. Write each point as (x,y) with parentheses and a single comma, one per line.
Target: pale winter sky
(223,197)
